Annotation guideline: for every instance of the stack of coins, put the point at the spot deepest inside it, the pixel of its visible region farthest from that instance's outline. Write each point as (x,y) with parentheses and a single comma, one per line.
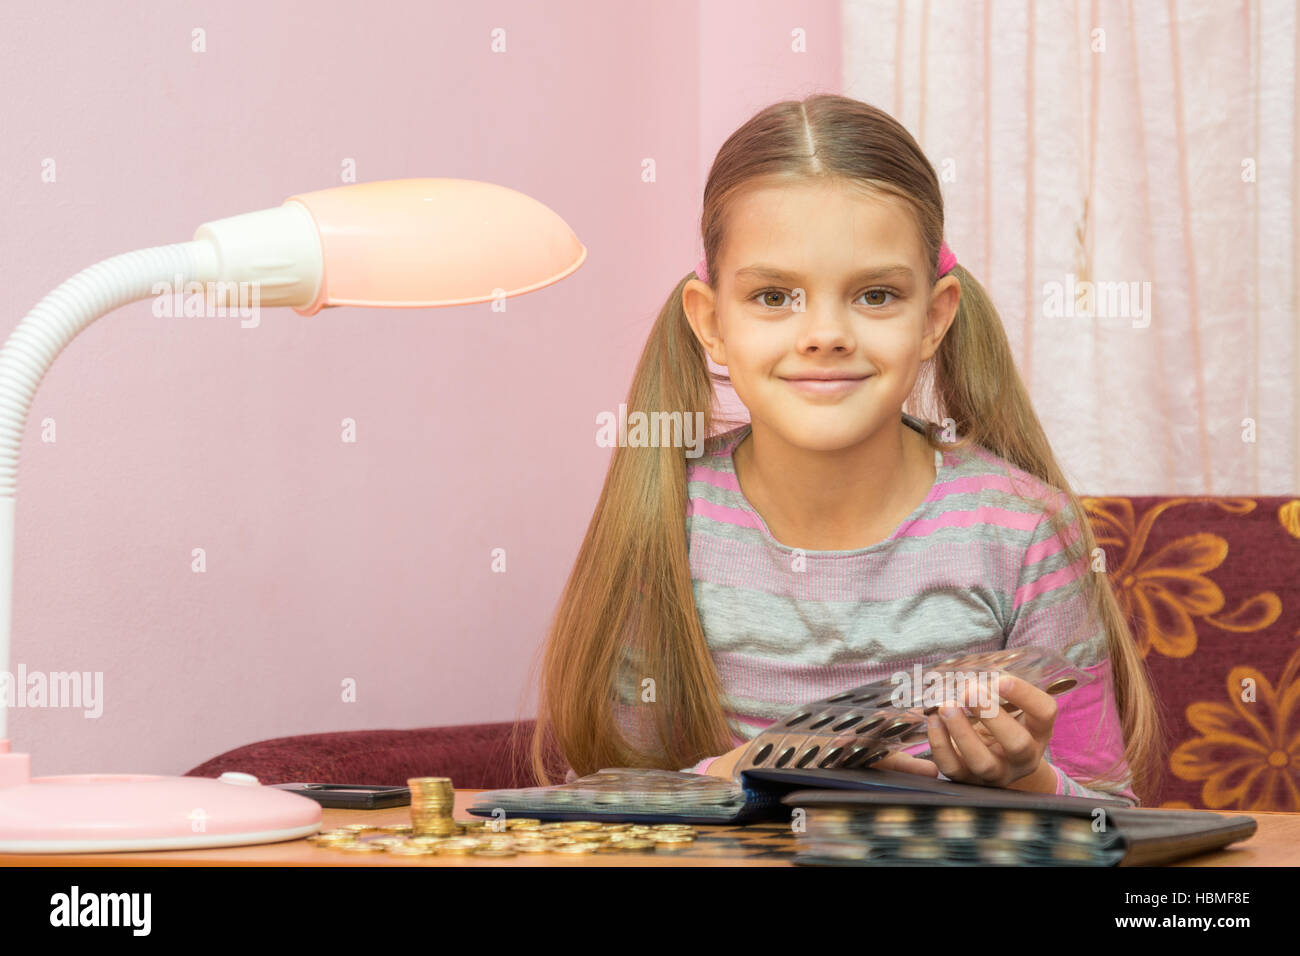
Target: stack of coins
(432,799)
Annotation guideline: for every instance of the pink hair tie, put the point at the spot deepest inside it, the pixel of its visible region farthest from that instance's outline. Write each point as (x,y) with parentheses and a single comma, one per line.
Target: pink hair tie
(946,262)
(946,259)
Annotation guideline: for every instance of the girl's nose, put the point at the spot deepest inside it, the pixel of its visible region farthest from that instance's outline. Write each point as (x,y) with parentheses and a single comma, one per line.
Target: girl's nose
(825,330)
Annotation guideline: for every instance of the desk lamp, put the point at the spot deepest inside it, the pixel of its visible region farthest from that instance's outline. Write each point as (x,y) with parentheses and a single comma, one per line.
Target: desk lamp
(404,243)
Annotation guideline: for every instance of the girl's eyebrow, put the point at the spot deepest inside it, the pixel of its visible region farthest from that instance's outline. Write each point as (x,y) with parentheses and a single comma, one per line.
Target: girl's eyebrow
(866,275)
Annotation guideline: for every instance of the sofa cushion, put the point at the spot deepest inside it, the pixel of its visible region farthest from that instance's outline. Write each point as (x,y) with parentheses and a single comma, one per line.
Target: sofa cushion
(473,755)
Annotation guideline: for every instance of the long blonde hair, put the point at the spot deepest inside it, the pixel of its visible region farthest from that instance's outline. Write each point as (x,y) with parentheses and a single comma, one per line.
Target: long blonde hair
(630,597)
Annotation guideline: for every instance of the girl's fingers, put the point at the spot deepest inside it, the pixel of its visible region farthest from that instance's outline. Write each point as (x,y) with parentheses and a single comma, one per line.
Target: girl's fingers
(1015,738)
(1038,706)
(976,756)
(897,760)
(960,750)
(942,752)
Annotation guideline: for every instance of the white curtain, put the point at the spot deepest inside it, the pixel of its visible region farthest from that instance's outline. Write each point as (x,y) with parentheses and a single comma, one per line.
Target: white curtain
(1148,149)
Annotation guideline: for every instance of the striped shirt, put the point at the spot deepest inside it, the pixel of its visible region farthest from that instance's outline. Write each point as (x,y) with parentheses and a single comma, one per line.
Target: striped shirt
(973,568)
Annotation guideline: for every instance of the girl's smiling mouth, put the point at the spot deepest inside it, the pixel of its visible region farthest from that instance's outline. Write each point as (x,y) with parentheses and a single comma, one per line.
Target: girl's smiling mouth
(826,384)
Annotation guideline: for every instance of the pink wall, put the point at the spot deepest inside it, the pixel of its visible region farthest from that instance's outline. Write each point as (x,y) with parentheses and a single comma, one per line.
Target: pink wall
(325,560)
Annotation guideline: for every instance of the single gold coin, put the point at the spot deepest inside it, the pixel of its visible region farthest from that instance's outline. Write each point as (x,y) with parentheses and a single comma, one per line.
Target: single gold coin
(407,849)
(360,847)
(636,845)
(329,841)
(494,851)
(577,848)
(427,840)
(464,840)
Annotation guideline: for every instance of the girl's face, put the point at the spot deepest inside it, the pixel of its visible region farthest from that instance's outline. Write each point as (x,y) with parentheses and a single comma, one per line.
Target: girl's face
(820,280)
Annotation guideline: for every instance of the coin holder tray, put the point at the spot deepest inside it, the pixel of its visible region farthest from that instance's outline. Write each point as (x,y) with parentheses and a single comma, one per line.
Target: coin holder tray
(855,728)
(630,794)
(953,836)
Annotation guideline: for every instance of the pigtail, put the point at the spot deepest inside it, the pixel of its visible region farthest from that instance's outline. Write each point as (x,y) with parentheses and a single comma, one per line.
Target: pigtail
(626,675)
(980,393)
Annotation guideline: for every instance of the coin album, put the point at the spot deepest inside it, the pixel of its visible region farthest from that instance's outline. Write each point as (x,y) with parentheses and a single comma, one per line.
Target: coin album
(879,829)
(831,742)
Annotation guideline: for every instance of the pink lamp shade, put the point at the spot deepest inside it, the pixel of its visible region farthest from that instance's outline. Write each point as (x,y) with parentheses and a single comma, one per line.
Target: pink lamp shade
(420,243)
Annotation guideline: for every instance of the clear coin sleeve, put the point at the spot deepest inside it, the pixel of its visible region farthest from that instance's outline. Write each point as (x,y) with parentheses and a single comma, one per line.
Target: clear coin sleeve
(626,793)
(855,728)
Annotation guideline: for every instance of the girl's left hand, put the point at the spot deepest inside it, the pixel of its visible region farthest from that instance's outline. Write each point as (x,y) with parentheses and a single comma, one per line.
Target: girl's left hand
(998,750)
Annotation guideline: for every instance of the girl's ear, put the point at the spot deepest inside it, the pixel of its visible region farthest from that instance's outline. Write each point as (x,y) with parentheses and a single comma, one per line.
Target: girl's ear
(700,305)
(939,316)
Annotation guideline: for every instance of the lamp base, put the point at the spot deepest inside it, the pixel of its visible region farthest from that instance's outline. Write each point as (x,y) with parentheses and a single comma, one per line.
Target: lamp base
(112,813)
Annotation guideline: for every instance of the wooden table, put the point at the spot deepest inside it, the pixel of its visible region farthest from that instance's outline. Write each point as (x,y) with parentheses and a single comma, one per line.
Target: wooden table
(1275,843)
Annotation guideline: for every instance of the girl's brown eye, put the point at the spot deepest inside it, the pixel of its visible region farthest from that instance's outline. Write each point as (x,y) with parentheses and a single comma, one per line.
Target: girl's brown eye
(767,299)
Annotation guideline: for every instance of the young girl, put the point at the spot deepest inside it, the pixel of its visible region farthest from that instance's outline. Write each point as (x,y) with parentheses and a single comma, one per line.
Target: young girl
(836,539)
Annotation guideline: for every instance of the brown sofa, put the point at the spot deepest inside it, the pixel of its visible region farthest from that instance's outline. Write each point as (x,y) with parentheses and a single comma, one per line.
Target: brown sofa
(1211,586)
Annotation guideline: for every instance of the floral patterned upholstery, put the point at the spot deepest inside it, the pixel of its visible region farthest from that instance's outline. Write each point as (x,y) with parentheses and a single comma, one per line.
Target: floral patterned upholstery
(1212,591)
